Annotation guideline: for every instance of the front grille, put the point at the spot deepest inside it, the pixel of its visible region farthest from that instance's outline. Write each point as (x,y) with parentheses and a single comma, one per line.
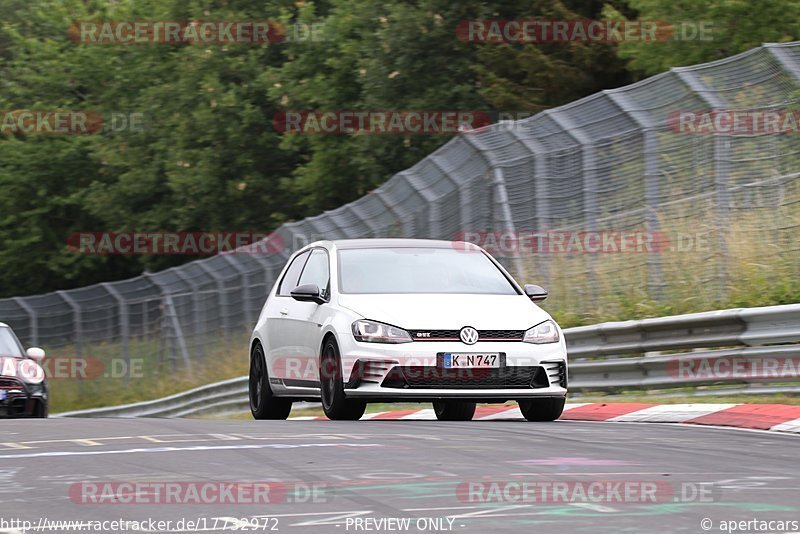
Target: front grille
(429,377)
(11,383)
(452,335)
(556,372)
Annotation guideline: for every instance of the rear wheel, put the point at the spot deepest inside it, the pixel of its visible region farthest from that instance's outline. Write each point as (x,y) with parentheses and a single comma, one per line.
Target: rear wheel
(454,410)
(263,403)
(334,403)
(544,409)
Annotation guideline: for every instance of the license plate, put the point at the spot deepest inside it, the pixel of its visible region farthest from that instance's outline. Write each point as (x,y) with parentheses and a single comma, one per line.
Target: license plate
(459,360)
(3,394)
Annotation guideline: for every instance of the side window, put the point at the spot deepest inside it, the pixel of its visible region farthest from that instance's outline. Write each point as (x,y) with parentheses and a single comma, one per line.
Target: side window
(316,270)
(289,281)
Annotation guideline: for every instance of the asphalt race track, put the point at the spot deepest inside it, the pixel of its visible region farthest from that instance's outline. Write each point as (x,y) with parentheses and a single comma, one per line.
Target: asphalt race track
(369,476)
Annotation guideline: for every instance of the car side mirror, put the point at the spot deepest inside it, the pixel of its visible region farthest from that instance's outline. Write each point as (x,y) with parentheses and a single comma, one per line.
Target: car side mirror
(536,293)
(35,353)
(307,293)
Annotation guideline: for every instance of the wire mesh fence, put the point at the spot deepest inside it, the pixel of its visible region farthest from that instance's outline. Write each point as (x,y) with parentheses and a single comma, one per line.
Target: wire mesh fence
(604,201)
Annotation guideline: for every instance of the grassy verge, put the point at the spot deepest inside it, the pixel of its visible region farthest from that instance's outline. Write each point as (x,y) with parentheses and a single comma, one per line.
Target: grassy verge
(107,379)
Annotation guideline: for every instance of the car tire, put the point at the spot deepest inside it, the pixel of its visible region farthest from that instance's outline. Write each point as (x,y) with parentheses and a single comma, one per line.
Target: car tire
(41,409)
(336,406)
(263,403)
(544,409)
(454,410)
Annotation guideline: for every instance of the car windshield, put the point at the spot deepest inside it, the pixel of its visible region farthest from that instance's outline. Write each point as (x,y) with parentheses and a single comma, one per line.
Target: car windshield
(420,270)
(8,344)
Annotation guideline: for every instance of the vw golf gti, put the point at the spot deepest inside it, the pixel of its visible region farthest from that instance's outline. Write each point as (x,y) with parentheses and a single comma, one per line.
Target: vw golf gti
(404,320)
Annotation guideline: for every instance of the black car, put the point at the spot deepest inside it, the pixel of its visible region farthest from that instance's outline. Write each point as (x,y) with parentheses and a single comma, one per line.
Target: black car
(23,385)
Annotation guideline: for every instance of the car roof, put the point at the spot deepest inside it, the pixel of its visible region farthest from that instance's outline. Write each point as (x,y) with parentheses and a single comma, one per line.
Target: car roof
(4,325)
(399,243)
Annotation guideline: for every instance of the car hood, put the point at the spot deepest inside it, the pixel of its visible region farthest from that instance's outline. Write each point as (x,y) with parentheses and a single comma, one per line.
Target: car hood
(447,312)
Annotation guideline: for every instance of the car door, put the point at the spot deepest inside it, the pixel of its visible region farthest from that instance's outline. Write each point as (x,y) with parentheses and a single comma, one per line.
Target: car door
(281,339)
(309,317)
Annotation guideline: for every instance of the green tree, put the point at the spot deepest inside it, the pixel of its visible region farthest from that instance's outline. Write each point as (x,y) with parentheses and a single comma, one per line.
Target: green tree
(406,56)
(730,27)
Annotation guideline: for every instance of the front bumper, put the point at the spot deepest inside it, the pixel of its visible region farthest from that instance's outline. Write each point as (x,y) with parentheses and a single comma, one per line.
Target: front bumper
(413,371)
(21,400)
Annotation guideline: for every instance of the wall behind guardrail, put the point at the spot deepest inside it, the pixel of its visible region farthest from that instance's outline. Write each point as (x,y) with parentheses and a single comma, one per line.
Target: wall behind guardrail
(607,163)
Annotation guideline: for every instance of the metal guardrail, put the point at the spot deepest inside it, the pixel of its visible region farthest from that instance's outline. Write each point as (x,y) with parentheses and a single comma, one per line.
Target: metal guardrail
(600,360)
(218,398)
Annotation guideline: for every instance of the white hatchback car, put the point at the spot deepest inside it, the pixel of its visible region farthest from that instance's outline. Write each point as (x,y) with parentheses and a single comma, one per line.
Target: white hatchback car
(391,320)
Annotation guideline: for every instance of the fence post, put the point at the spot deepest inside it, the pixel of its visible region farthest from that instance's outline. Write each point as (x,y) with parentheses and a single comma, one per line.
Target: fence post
(503,214)
(248,315)
(76,318)
(374,229)
(223,296)
(197,323)
(124,324)
(588,190)
(722,158)
(540,197)
(461,190)
(784,58)
(171,316)
(33,319)
(415,182)
(652,195)
(380,194)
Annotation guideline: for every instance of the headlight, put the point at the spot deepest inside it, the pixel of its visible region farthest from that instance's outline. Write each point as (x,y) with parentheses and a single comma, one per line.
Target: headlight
(374,332)
(546,332)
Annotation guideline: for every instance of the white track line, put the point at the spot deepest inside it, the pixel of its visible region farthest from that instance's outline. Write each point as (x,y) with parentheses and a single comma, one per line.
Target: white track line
(792,426)
(671,413)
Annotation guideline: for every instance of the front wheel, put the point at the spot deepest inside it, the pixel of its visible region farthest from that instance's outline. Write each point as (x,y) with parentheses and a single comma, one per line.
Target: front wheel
(263,403)
(454,410)
(334,403)
(41,409)
(544,409)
